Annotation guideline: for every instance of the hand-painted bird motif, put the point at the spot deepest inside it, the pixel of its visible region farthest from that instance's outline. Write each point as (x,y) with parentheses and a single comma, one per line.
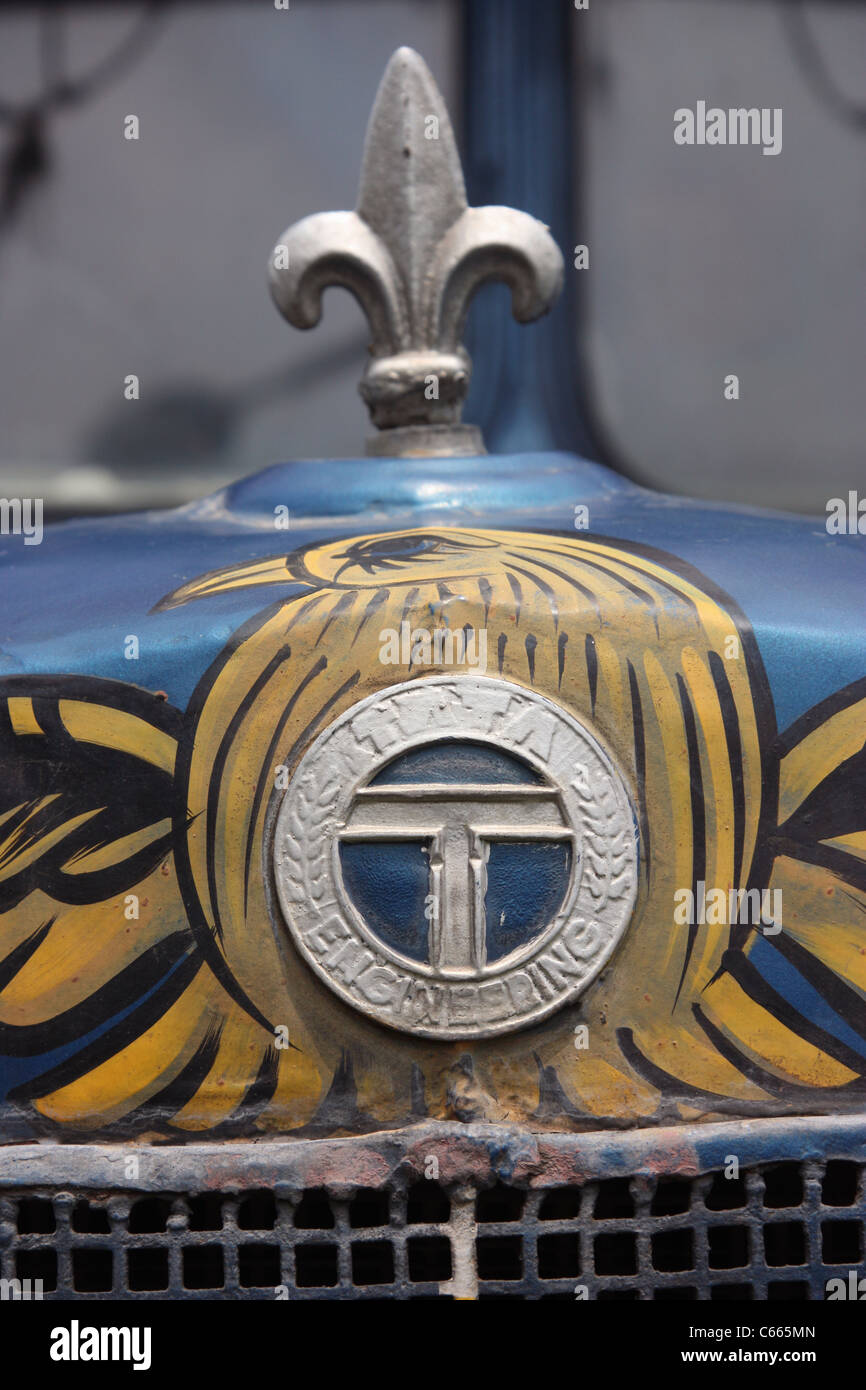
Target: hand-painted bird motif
(145,980)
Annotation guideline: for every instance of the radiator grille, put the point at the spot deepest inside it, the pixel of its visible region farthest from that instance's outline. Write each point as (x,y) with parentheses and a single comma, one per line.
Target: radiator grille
(779,1231)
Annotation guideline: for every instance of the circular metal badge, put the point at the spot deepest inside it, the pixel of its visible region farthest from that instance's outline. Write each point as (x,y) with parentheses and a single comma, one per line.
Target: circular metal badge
(456,857)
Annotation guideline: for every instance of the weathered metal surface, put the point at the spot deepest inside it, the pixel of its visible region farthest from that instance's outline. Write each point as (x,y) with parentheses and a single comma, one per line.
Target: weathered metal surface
(413,254)
(760,1210)
(476,1155)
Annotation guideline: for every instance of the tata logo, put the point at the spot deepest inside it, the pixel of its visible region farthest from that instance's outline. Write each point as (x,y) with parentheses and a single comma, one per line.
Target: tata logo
(456,857)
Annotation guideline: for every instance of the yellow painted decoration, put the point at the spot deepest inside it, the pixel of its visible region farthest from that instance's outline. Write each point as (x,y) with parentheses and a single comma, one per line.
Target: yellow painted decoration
(161,943)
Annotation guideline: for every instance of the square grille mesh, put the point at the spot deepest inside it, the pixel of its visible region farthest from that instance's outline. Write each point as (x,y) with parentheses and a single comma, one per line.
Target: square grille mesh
(778,1231)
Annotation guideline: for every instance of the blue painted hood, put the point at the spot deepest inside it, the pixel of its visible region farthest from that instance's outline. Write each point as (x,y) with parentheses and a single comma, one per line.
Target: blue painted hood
(70,603)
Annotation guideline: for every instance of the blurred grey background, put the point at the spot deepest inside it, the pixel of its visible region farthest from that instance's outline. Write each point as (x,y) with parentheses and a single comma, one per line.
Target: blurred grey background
(148,256)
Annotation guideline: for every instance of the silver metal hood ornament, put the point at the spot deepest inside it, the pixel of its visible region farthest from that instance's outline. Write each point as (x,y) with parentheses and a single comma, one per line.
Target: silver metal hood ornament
(413,254)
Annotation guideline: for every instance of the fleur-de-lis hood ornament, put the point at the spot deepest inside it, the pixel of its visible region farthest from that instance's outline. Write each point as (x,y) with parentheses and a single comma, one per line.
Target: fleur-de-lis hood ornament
(413,253)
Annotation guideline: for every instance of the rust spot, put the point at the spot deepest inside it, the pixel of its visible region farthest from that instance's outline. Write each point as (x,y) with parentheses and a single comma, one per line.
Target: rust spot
(350,1167)
(559,1167)
(675,1158)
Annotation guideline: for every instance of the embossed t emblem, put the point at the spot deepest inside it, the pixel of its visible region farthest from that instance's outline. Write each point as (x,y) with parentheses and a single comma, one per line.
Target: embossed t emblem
(459,822)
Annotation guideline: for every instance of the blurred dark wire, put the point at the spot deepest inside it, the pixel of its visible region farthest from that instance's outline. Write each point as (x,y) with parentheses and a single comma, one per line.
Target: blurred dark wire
(810,60)
(27,158)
